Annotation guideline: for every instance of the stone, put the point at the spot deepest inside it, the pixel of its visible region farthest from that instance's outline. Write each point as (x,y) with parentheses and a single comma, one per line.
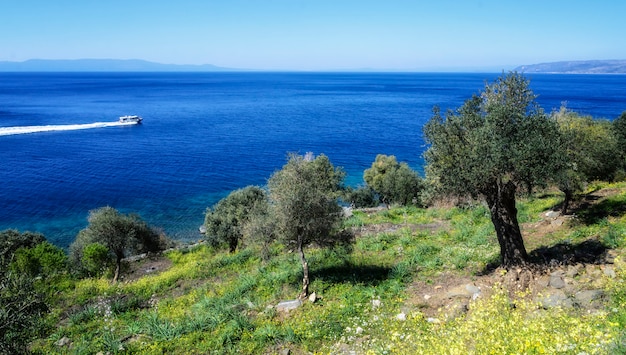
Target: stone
(557,281)
(313,297)
(465,291)
(63,342)
(586,298)
(610,272)
(552,214)
(556,299)
(557,223)
(433,320)
(427,297)
(401,316)
(286,306)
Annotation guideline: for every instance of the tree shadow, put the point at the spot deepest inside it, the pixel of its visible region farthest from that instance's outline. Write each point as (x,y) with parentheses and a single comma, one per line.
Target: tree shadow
(590,251)
(589,213)
(370,275)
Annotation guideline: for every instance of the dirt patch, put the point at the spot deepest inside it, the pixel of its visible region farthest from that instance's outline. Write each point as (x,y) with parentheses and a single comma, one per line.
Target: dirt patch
(141,266)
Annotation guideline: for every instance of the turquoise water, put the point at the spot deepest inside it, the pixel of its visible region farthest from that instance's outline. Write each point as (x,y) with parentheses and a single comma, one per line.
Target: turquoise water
(206,134)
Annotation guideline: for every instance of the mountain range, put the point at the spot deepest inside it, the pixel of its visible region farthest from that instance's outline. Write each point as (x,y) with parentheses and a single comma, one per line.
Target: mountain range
(102,65)
(577,67)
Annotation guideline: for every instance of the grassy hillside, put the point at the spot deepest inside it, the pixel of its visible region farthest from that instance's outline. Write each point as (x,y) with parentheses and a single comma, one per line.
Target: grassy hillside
(415,281)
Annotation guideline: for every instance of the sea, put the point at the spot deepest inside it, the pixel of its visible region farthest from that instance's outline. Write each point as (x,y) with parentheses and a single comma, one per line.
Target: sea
(207,134)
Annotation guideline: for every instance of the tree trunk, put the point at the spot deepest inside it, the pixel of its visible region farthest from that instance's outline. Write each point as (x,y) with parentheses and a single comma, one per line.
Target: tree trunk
(305,271)
(568,198)
(501,201)
(118,266)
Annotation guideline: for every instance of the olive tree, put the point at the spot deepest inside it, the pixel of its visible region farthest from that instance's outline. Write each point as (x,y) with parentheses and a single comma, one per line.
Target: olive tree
(303,197)
(591,149)
(394,182)
(619,131)
(492,144)
(225,222)
(121,234)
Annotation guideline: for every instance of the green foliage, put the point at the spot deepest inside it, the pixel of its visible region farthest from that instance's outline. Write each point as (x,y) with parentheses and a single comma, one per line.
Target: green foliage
(360,197)
(21,312)
(121,234)
(96,259)
(225,223)
(11,240)
(395,183)
(44,259)
(591,147)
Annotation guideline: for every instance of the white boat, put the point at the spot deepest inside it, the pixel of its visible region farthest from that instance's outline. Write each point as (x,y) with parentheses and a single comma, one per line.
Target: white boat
(130,118)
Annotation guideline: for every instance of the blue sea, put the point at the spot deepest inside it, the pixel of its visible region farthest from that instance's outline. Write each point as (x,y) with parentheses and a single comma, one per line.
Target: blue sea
(206,134)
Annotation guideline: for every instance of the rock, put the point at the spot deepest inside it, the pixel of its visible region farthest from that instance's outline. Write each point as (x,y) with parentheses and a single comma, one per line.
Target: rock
(202,229)
(552,214)
(63,342)
(433,320)
(586,298)
(557,222)
(557,281)
(287,306)
(427,297)
(313,297)
(376,303)
(610,272)
(556,299)
(466,291)
(401,316)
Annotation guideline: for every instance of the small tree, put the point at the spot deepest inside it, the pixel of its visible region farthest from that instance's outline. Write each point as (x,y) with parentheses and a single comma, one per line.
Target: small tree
(225,222)
(394,182)
(488,147)
(591,149)
(303,196)
(120,234)
(11,240)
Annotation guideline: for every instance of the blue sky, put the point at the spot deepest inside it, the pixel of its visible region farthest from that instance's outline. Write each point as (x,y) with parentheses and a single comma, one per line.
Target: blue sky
(317,34)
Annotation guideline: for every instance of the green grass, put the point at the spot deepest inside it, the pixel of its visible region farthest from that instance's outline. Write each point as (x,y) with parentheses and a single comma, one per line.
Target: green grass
(211,301)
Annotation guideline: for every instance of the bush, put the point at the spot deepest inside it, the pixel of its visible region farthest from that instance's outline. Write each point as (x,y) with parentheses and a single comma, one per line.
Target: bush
(361,197)
(96,259)
(395,183)
(44,259)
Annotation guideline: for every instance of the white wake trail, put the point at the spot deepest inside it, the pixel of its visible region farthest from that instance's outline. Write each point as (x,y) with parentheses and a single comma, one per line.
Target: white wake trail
(6,131)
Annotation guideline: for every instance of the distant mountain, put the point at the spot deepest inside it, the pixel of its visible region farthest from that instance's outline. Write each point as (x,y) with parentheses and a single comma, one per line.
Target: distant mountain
(102,65)
(577,67)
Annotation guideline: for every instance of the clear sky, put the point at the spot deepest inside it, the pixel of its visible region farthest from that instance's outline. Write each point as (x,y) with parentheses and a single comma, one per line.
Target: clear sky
(317,34)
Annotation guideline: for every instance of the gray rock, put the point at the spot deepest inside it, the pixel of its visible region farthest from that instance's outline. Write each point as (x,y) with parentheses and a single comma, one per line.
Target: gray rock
(557,281)
(556,299)
(465,291)
(63,342)
(586,298)
(313,297)
(543,281)
(552,214)
(610,272)
(286,306)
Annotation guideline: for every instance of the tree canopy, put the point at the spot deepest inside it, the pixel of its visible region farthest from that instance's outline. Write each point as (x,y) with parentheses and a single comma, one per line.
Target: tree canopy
(225,222)
(492,144)
(393,181)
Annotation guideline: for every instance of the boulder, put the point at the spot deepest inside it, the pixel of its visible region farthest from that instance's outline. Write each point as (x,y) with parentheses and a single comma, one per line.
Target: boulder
(286,306)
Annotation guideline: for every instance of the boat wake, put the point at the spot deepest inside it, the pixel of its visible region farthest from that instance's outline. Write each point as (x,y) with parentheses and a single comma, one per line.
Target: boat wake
(7,131)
